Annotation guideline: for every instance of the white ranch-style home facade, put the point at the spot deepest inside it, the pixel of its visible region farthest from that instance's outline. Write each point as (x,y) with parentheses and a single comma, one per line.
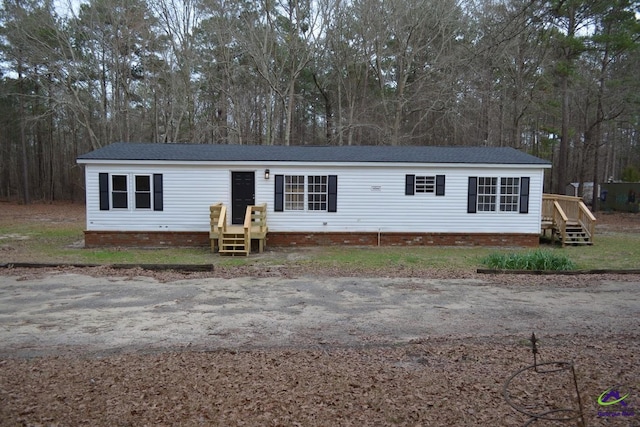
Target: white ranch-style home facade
(160,194)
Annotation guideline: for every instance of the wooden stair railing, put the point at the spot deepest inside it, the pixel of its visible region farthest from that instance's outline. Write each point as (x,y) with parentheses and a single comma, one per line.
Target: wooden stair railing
(257,224)
(587,220)
(237,239)
(560,220)
(218,213)
(568,218)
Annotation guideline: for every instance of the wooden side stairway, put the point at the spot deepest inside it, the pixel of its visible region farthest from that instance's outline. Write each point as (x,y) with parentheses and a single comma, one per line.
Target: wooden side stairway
(236,239)
(568,219)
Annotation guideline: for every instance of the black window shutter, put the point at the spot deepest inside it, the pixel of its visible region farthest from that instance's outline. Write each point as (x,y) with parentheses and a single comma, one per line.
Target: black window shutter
(472,194)
(278,203)
(103,185)
(439,185)
(158,204)
(333,194)
(409,185)
(524,194)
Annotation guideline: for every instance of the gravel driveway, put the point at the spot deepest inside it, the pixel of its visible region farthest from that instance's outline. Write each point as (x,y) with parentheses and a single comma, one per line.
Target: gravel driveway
(100,314)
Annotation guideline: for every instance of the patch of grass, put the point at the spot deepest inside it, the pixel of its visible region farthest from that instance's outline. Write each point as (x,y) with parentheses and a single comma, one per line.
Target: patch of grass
(530,260)
(609,251)
(51,243)
(424,257)
(146,256)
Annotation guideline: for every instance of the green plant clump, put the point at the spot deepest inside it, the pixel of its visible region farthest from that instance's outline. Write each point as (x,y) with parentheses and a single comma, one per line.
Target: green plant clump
(532,260)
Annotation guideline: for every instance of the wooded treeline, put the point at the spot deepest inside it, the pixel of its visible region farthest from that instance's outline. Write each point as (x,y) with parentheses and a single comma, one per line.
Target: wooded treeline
(556,78)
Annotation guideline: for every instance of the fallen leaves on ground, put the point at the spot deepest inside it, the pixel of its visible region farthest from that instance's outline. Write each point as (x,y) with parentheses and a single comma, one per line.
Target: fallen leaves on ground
(439,382)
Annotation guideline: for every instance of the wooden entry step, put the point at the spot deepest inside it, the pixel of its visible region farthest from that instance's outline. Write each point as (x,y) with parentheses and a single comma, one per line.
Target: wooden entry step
(236,239)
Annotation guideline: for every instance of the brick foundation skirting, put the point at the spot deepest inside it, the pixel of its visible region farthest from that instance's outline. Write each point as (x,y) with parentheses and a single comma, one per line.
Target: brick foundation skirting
(133,239)
(402,239)
(94,239)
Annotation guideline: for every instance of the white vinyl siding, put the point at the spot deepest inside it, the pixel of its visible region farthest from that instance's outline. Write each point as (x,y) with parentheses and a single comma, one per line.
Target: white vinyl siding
(370,198)
(183,197)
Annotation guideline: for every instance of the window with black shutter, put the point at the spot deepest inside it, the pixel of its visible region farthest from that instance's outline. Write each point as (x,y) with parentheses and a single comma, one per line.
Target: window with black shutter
(146,190)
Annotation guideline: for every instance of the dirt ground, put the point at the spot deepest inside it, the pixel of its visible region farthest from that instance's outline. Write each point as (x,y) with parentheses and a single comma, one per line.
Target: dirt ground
(42,213)
(228,350)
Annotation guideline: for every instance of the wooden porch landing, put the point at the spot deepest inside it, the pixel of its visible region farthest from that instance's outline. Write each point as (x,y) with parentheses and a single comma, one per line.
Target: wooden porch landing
(236,239)
(567,219)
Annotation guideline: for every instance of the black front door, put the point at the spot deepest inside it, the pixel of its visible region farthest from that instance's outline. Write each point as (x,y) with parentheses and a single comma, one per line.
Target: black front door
(243,194)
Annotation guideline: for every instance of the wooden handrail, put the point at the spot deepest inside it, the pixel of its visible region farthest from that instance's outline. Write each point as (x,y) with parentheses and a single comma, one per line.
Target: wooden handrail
(560,219)
(587,220)
(247,222)
(222,220)
(259,217)
(259,227)
(558,209)
(586,211)
(222,225)
(547,196)
(217,223)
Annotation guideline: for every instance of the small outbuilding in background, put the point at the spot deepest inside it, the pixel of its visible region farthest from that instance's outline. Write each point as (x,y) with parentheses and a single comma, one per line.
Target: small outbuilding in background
(620,196)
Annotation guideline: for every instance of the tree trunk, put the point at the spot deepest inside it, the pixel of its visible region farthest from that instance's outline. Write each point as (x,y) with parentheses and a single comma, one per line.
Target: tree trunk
(328,111)
(561,165)
(26,198)
(596,179)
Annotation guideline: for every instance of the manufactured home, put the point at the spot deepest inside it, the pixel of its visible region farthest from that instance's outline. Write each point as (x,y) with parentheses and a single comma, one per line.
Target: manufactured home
(161,194)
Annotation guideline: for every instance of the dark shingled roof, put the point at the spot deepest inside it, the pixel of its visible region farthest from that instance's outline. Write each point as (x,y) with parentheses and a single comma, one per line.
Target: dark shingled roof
(278,153)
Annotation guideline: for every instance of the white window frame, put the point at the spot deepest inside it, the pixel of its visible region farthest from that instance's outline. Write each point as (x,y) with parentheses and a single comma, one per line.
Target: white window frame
(510,194)
(131,192)
(425,184)
(294,192)
(113,192)
(487,194)
(136,191)
(306,193)
(498,194)
(317,192)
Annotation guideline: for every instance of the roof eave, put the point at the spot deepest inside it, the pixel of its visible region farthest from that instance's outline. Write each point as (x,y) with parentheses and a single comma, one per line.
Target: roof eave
(306,163)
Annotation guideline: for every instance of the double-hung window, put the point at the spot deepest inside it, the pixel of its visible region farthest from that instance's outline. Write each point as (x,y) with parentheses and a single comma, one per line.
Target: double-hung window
(130,191)
(119,192)
(306,193)
(317,193)
(487,194)
(509,194)
(143,191)
(294,193)
(490,194)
